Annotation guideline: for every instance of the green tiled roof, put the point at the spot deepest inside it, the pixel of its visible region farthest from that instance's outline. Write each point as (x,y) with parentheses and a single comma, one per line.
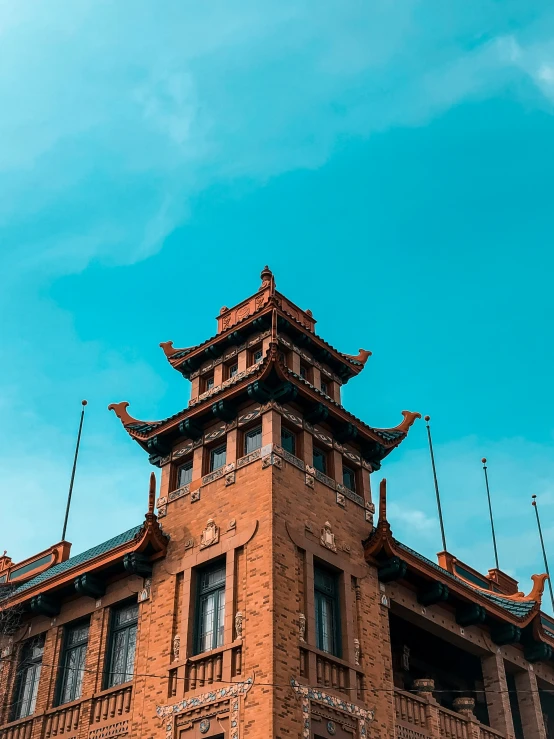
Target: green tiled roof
(518,609)
(79,559)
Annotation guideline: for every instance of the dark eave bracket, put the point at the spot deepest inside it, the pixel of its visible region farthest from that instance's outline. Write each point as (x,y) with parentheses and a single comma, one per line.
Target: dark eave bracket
(437,593)
(90,585)
(392,569)
(470,615)
(505,634)
(45,605)
(224,410)
(318,413)
(137,564)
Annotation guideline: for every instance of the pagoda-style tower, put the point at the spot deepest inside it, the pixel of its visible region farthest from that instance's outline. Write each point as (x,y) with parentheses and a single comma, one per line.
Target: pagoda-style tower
(264,616)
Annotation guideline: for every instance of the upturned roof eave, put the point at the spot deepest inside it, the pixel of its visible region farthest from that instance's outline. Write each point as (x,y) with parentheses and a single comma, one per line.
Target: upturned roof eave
(381,540)
(150,533)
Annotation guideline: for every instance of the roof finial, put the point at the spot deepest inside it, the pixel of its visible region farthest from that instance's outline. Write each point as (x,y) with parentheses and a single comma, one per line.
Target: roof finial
(267,278)
(152,493)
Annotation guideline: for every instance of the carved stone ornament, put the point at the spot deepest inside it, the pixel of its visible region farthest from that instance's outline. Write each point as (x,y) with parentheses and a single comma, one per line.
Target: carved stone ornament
(144,594)
(176,647)
(238,624)
(357,651)
(384,600)
(204,726)
(327,537)
(301,626)
(210,535)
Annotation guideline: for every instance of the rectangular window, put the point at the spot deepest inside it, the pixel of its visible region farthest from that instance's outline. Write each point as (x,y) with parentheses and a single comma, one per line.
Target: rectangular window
(320,460)
(208,383)
(348,478)
(72,664)
(327,611)
(123,641)
(324,387)
(252,440)
(218,457)
(257,355)
(210,614)
(233,370)
(288,440)
(184,473)
(28,678)
(303,372)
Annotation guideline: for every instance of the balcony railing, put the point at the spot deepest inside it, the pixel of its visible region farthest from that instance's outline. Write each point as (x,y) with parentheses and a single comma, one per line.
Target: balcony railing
(410,713)
(63,721)
(201,670)
(22,729)
(327,671)
(421,717)
(112,704)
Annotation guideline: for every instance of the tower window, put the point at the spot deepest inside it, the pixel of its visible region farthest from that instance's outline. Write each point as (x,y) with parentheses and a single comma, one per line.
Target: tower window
(348,478)
(288,440)
(123,642)
(73,662)
(218,457)
(327,611)
(210,614)
(320,460)
(324,388)
(184,473)
(233,370)
(303,372)
(208,383)
(28,678)
(253,440)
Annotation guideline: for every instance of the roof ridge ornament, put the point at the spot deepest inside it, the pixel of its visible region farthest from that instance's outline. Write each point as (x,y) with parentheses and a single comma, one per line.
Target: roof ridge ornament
(120,410)
(268,280)
(170,351)
(362,356)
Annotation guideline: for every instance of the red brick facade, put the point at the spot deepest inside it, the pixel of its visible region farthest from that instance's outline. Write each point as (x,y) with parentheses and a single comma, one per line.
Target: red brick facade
(274,521)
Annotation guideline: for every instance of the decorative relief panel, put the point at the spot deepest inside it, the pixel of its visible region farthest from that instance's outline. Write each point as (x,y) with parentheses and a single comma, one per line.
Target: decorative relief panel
(210,535)
(118,729)
(176,712)
(319,698)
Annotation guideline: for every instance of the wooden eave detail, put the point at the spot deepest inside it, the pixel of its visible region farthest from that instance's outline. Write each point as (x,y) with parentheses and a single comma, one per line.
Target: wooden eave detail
(382,542)
(150,533)
(261,372)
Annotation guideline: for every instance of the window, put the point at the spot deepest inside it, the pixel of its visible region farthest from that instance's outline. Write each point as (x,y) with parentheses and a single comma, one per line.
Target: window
(288,440)
(324,387)
(348,478)
(303,372)
(208,383)
(28,678)
(72,663)
(326,611)
(218,457)
(252,440)
(123,640)
(320,460)
(257,354)
(184,473)
(232,370)
(211,608)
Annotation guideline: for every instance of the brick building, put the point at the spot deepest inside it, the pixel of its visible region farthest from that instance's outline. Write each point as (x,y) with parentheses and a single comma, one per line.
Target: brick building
(262,600)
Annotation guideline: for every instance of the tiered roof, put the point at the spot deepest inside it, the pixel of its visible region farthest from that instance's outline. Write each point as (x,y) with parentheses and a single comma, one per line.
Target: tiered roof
(271,313)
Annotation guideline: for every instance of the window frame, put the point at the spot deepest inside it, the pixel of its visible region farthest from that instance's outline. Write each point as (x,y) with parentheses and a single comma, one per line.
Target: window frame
(248,433)
(211,452)
(110,652)
(28,665)
(67,648)
(334,598)
(258,349)
(188,462)
(294,438)
(229,369)
(354,477)
(324,454)
(219,614)
(206,380)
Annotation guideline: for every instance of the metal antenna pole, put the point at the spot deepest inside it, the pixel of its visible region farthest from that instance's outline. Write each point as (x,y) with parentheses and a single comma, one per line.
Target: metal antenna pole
(484,461)
(428,418)
(536,507)
(84,402)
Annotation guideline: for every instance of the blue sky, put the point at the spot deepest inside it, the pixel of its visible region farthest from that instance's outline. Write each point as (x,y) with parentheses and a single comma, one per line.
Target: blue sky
(391,161)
